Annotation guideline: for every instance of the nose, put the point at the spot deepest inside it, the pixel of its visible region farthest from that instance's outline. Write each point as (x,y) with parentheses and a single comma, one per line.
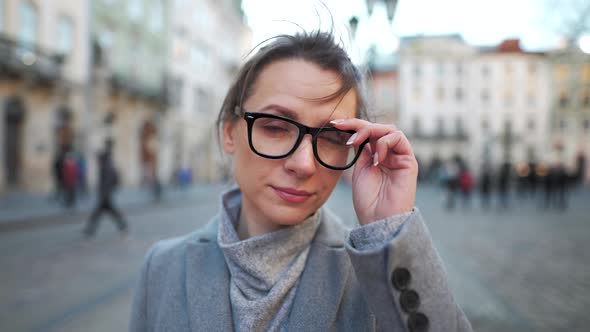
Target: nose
(302,162)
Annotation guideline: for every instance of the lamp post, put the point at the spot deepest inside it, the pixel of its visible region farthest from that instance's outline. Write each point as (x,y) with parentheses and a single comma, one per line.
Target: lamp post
(390,6)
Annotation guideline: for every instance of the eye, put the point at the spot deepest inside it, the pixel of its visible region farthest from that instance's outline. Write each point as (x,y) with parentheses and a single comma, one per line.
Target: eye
(274,126)
(335,137)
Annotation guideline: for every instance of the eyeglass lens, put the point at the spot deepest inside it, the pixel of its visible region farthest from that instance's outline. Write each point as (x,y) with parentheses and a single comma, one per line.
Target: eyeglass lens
(275,137)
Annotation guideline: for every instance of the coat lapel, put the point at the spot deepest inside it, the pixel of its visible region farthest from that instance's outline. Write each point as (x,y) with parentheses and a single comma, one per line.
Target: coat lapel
(207,283)
(323,281)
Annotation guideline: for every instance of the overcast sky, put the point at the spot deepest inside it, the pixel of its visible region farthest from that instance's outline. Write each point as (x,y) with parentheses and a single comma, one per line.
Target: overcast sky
(480,22)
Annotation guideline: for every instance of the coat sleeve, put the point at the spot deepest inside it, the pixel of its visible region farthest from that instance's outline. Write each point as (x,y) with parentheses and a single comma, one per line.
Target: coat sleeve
(402,278)
(139,316)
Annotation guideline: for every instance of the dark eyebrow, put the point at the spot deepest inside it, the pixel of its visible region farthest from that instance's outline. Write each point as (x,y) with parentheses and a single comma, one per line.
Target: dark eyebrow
(281,110)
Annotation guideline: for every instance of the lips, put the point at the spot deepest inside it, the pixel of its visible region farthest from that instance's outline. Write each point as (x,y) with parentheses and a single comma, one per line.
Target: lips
(292,195)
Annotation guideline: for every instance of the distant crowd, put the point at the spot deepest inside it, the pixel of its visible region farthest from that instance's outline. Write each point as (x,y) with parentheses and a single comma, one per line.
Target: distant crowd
(547,184)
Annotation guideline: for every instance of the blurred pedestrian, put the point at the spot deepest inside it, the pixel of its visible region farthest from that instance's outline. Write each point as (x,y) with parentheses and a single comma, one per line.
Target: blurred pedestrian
(504,177)
(485,186)
(57,172)
(70,178)
(450,178)
(466,184)
(274,258)
(107,185)
(532,178)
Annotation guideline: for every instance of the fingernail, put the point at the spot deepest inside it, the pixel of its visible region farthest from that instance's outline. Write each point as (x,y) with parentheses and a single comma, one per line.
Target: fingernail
(337,121)
(351,139)
(375,159)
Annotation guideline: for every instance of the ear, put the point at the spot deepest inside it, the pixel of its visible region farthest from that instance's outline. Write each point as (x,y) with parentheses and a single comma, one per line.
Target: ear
(228,136)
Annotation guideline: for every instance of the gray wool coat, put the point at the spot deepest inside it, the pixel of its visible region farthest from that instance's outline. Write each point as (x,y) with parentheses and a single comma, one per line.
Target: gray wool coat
(184,285)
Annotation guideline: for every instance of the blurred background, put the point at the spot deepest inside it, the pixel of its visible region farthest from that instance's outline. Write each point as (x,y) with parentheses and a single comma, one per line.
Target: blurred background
(493,95)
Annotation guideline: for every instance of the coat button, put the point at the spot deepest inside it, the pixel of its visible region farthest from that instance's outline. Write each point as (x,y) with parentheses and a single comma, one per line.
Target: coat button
(418,322)
(409,301)
(401,278)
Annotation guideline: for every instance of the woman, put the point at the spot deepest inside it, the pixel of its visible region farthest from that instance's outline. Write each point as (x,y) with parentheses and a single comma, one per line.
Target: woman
(275,259)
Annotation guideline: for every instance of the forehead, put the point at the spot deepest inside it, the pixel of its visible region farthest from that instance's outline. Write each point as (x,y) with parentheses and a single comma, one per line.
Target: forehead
(300,87)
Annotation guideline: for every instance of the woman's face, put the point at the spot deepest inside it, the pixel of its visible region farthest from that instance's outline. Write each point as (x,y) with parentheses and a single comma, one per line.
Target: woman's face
(280,192)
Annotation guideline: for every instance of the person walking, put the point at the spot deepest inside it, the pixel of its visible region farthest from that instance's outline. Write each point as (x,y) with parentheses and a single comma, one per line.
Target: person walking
(107,185)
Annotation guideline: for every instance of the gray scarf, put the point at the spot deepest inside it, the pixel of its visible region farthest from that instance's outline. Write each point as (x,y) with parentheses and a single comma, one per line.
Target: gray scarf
(264,269)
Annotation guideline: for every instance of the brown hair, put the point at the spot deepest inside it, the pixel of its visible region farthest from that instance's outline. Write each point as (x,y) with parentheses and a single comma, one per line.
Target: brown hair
(316,47)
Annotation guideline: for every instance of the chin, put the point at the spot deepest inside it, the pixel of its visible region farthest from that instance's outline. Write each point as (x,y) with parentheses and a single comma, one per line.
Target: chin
(288,216)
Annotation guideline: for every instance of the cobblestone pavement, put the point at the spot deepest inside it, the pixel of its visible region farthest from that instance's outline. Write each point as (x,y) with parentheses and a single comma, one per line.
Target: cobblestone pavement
(517,269)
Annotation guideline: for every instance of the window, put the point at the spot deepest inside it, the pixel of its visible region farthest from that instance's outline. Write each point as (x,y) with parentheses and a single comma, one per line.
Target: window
(28,24)
(416,126)
(459,94)
(485,71)
(440,127)
(440,69)
(531,124)
(176,92)
(563,99)
(459,129)
(440,93)
(561,72)
(508,99)
(65,35)
(532,68)
(485,125)
(417,93)
(201,100)
(485,96)
(562,125)
(508,69)
(459,69)
(532,99)
(417,70)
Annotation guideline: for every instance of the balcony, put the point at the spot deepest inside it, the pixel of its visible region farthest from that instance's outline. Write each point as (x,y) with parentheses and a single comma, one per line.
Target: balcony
(158,95)
(29,61)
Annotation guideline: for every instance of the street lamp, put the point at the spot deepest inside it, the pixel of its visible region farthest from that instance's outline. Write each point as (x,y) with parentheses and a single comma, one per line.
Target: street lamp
(390,5)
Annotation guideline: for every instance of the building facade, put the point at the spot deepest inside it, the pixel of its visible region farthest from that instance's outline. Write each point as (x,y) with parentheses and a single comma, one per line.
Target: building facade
(569,120)
(43,74)
(509,99)
(129,88)
(209,41)
(434,87)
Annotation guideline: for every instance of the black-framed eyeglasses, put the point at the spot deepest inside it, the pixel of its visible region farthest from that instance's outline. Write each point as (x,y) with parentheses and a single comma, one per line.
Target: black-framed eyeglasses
(272,136)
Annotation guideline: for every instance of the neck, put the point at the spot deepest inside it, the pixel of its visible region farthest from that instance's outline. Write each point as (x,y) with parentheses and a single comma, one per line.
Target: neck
(253,224)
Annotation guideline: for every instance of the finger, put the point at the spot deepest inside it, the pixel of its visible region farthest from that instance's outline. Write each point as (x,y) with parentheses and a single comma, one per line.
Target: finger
(373,131)
(395,142)
(355,124)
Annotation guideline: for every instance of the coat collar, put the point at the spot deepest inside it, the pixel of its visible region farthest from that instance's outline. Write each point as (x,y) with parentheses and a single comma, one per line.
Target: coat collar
(207,282)
(326,272)
(207,279)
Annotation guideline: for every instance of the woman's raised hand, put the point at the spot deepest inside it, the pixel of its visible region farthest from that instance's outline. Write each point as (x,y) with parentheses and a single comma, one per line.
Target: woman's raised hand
(385,175)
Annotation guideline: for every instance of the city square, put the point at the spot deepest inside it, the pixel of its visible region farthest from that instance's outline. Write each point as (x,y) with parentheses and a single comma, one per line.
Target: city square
(518,269)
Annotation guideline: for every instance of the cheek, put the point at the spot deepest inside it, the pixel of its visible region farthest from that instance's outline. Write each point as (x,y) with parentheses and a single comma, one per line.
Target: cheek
(328,179)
